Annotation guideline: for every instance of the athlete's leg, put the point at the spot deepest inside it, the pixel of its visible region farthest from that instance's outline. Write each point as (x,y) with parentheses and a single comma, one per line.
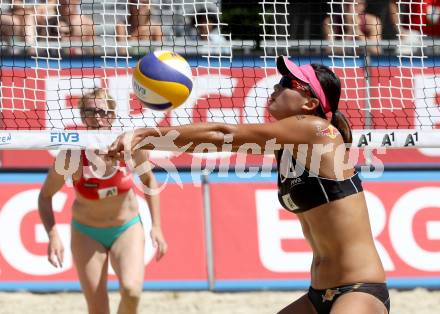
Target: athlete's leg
(301,306)
(127,258)
(91,261)
(364,303)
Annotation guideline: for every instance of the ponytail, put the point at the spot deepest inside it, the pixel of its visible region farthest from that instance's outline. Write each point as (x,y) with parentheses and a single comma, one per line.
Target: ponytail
(331,86)
(341,123)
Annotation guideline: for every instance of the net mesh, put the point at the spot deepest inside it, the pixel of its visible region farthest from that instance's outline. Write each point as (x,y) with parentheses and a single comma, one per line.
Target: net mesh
(54,51)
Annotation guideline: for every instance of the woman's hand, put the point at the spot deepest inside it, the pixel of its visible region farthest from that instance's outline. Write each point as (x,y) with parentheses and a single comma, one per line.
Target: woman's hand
(158,242)
(126,143)
(55,251)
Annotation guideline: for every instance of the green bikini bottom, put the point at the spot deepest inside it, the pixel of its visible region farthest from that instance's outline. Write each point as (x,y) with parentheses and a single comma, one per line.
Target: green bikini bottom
(104,235)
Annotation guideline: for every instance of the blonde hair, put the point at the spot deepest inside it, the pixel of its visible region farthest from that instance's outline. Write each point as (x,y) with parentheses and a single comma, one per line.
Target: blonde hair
(98,93)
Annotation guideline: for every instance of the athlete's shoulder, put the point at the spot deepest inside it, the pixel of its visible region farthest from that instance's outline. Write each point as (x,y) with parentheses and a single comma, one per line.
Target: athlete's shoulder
(315,129)
(307,123)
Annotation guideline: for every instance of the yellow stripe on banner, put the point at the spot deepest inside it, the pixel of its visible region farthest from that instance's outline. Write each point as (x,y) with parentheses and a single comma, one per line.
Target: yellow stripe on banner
(176,93)
(170,55)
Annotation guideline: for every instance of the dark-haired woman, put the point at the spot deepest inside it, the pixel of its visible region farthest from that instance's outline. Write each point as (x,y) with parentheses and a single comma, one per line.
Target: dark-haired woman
(314,182)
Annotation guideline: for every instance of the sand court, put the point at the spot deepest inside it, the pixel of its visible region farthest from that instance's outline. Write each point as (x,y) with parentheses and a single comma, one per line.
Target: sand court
(420,301)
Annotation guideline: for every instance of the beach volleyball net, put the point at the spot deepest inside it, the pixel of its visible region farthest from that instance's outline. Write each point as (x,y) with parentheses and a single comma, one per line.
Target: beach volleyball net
(391,85)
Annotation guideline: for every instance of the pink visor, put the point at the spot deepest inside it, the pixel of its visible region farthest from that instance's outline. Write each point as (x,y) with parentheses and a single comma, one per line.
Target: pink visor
(306,74)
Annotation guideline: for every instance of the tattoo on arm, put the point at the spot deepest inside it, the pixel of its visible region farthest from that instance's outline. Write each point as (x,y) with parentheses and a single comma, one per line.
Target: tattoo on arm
(300,117)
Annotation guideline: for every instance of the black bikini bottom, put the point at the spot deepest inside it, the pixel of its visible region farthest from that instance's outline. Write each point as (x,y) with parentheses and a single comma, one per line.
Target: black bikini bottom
(323,299)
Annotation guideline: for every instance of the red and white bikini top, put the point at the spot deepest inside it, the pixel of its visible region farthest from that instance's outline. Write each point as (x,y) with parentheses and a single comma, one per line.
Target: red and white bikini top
(93,187)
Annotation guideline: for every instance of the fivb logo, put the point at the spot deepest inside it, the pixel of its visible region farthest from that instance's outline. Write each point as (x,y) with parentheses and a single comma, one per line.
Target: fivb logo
(5,138)
(64,137)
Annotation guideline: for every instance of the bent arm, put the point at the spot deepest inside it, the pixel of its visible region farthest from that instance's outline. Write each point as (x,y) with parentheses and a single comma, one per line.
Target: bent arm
(51,185)
(152,197)
(149,183)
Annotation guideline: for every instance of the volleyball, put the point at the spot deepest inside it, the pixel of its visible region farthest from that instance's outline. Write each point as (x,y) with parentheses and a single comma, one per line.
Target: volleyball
(162,80)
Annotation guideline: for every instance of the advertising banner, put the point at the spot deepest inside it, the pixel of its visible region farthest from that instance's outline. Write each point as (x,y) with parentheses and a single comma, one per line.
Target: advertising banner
(259,242)
(48,100)
(23,244)
(256,243)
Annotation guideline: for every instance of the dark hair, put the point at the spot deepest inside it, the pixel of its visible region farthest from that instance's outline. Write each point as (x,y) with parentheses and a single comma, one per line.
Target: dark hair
(204,16)
(332,89)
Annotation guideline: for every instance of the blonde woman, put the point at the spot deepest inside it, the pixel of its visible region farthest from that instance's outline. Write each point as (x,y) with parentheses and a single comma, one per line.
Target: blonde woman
(106,224)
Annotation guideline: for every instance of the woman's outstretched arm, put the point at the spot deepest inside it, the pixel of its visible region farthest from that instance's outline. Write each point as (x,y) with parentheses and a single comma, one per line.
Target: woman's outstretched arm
(190,138)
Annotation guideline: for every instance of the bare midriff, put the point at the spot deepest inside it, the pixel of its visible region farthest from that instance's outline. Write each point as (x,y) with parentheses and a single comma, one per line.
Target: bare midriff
(109,212)
(339,233)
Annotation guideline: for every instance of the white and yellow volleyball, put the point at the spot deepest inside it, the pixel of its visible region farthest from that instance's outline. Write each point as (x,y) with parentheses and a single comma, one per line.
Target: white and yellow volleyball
(162,80)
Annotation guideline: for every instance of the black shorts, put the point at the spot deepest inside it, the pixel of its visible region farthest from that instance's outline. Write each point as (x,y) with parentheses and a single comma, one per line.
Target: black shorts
(323,300)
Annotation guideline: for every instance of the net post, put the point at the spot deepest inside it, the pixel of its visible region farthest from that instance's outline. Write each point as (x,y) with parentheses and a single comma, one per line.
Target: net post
(208,229)
(368,153)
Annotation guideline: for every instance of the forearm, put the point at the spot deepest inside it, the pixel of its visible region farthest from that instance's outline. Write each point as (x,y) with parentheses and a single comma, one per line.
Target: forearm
(190,135)
(260,138)
(46,214)
(143,168)
(154,207)
(153,201)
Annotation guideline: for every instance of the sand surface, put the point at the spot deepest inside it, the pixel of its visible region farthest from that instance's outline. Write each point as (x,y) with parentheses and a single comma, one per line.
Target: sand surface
(418,301)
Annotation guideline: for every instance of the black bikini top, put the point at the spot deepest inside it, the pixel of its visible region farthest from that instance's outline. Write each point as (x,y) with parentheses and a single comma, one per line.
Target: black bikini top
(300,190)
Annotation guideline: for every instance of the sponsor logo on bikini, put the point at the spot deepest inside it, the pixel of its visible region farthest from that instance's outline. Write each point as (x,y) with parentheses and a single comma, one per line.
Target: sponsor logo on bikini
(330,294)
(91,185)
(289,203)
(106,192)
(296,181)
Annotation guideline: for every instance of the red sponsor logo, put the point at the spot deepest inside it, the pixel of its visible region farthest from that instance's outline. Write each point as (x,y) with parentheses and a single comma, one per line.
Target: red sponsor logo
(24,244)
(249,226)
(27,90)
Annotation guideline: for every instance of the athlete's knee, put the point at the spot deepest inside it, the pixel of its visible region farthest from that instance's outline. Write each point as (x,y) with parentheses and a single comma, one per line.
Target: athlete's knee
(131,292)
